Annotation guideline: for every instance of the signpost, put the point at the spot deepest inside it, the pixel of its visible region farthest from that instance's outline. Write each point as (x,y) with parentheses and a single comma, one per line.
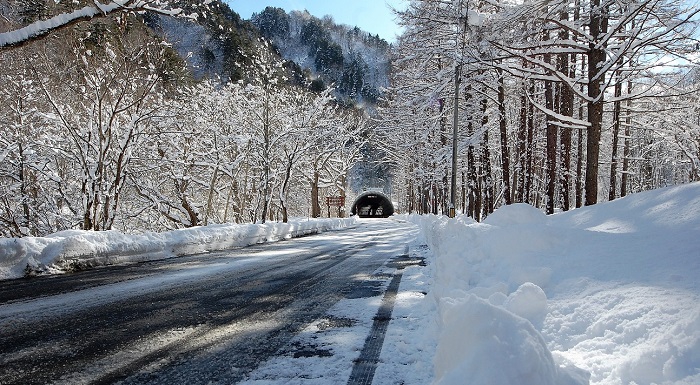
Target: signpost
(338,202)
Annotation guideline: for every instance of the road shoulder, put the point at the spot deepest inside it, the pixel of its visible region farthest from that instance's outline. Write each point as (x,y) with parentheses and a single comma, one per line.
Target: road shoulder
(328,349)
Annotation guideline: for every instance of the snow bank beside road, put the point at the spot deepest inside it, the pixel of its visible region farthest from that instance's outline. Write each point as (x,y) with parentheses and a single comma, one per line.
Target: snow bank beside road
(607,294)
(73,249)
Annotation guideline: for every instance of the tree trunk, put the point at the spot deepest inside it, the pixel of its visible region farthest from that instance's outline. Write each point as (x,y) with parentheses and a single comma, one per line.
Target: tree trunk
(210,197)
(579,153)
(551,132)
(411,195)
(283,191)
(566,97)
(596,78)
(265,194)
(521,169)
(464,192)
(503,127)
(228,199)
(455,127)
(486,163)
(267,153)
(343,189)
(627,150)
(529,149)
(472,182)
(315,205)
(23,192)
(471,179)
(192,215)
(617,110)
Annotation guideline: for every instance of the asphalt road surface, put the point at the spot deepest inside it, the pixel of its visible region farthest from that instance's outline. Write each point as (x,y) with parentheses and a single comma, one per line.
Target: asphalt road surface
(208,318)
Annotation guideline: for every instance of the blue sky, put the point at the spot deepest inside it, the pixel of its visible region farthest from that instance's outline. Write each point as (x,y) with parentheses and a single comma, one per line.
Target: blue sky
(373,16)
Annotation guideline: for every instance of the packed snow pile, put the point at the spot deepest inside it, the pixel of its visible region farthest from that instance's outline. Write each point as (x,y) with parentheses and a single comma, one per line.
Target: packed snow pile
(77,249)
(607,294)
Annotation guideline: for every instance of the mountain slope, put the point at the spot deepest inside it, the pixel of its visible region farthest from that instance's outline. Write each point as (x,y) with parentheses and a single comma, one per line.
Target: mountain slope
(221,45)
(355,62)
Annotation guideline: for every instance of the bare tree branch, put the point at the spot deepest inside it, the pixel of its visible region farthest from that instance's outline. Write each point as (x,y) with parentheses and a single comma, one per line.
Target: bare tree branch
(41,28)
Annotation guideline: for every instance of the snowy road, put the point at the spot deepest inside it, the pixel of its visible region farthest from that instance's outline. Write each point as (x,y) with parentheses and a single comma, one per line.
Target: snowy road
(209,318)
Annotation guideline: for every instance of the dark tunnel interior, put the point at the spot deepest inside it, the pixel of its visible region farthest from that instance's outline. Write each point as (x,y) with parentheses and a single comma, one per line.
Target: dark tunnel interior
(372,205)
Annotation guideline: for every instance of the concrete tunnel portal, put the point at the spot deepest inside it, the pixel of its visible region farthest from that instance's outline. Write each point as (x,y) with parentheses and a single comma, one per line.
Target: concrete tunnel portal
(372,204)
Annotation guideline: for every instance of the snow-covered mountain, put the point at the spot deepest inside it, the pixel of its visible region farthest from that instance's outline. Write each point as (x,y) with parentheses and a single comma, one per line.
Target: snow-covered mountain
(355,62)
(319,52)
(219,44)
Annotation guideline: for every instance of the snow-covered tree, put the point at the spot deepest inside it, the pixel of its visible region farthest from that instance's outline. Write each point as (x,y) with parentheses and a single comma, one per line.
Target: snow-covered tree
(104,116)
(87,10)
(107,131)
(543,76)
(22,166)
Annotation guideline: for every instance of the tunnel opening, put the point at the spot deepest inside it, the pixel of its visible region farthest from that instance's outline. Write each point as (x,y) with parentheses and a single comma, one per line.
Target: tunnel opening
(372,205)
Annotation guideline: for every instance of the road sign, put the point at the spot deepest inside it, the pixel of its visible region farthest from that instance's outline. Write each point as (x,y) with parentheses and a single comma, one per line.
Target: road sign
(335,201)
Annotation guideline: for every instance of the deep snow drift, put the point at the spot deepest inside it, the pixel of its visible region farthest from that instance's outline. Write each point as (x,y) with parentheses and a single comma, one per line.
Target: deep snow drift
(607,294)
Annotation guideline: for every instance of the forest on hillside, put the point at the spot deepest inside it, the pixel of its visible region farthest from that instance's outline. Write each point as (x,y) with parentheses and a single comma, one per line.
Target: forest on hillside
(153,115)
(355,62)
(557,104)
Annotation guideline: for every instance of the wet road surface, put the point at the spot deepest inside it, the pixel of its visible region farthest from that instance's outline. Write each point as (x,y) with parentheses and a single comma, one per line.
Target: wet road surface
(209,318)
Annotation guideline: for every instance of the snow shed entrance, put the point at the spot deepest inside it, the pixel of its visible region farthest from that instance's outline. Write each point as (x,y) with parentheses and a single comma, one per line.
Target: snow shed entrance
(372,204)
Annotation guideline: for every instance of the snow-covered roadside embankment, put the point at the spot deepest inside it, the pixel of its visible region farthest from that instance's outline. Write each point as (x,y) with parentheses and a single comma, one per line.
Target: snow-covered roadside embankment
(489,313)
(77,249)
(607,294)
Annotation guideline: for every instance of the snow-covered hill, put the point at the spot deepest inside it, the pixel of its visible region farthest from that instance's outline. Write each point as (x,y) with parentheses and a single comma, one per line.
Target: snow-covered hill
(608,293)
(320,53)
(355,62)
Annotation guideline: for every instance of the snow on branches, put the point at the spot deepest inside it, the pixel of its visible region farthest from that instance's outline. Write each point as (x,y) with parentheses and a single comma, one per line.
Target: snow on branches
(557,81)
(41,28)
